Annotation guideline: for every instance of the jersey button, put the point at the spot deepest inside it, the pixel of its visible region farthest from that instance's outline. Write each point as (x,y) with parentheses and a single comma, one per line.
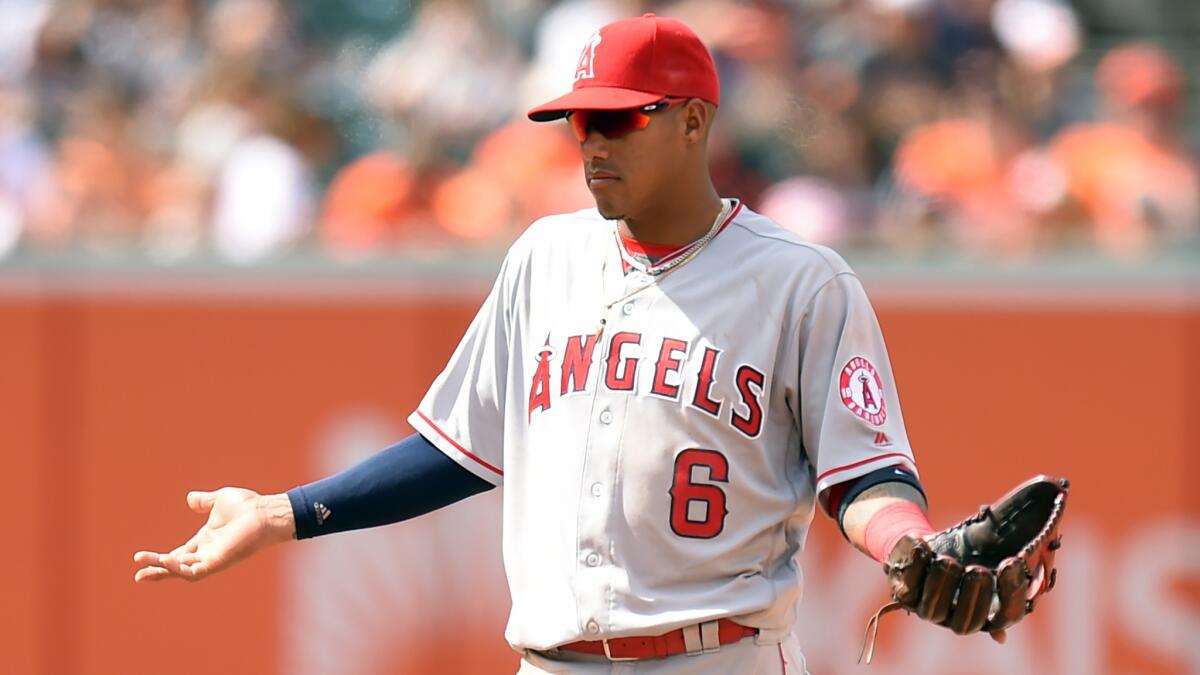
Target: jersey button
(606,417)
(628,308)
(593,559)
(597,489)
(593,627)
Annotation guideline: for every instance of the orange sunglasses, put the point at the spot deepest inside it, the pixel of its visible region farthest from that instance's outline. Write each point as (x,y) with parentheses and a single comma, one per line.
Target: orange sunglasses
(615,123)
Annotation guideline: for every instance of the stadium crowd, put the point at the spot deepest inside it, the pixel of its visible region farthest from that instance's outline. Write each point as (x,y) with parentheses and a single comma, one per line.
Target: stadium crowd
(251,128)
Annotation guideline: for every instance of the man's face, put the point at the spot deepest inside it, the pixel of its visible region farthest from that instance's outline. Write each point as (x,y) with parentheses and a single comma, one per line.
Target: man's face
(627,169)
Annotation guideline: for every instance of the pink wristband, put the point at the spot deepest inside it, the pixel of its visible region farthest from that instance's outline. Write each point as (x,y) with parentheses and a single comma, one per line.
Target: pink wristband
(890,524)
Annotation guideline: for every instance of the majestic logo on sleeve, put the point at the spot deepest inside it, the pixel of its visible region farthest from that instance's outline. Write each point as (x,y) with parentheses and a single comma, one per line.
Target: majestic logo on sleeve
(862,390)
(586,68)
(669,369)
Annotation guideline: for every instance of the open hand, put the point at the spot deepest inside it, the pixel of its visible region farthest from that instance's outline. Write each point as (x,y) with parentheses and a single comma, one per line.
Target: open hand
(240,523)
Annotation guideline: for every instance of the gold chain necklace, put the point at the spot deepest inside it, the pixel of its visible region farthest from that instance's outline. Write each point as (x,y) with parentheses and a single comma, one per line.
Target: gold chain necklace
(694,250)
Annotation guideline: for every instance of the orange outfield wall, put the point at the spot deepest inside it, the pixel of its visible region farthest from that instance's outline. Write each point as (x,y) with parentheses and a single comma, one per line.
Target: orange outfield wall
(116,403)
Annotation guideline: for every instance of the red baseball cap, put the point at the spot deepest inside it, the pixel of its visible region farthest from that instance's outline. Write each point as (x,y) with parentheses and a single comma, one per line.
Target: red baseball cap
(635,62)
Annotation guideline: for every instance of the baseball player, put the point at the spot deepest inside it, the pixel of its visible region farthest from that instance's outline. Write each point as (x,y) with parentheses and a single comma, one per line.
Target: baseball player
(668,385)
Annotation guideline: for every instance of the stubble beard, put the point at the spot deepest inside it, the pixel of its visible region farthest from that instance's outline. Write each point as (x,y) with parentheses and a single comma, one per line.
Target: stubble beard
(608,213)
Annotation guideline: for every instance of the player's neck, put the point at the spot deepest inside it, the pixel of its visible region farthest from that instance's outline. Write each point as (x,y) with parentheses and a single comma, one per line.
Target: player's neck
(677,223)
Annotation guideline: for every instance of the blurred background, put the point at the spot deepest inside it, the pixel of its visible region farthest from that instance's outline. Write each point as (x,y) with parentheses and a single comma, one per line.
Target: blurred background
(238,238)
(248,130)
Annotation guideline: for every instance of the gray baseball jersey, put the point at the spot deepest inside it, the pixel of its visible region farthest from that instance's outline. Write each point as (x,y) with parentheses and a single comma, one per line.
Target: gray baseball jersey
(661,440)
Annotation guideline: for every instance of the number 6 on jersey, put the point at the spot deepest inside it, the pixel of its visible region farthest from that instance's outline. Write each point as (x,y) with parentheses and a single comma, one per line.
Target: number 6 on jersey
(687,496)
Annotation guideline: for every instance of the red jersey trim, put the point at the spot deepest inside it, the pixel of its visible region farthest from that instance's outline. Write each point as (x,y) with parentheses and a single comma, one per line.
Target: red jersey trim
(647,249)
(862,462)
(460,448)
(652,249)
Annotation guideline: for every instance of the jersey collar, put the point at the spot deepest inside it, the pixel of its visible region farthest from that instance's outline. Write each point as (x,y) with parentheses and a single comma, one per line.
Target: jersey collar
(646,256)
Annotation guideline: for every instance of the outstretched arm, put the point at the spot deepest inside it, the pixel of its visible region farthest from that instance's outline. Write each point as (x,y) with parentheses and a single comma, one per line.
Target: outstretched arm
(408,479)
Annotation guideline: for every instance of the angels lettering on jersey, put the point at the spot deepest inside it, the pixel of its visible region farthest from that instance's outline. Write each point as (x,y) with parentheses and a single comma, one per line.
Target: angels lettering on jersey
(681,373)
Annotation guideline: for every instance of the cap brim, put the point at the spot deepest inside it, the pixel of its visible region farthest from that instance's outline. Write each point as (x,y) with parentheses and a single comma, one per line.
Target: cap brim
(592,98)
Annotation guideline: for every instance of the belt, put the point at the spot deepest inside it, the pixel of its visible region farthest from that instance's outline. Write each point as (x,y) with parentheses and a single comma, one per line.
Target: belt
(705,637)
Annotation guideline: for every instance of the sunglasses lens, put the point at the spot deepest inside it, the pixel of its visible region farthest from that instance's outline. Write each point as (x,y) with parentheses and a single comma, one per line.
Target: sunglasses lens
(617,123)
(609,123)
(579,124)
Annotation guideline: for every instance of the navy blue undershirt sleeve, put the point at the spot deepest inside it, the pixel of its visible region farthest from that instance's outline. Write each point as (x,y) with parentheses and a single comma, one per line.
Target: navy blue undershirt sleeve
(408,479)
(889,474)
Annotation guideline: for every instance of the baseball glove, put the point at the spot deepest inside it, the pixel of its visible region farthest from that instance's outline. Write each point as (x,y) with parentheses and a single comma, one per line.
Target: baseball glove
(986,572)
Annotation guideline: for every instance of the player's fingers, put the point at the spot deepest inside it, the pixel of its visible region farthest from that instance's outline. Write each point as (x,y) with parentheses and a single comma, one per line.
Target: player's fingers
(188,546)
(1000,636)
(188,566)
(150,558)
(147,557)
(185,572)
(196,572)
(171,563)
(187,558)
(200,501)
(151,574)
(153,557)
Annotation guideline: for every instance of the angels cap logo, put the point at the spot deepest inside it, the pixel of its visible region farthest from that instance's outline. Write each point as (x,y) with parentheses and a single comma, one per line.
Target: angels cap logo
(586,67)
(862,390)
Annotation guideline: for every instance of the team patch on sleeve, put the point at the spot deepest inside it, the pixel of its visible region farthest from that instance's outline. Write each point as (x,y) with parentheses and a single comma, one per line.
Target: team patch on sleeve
(862,390)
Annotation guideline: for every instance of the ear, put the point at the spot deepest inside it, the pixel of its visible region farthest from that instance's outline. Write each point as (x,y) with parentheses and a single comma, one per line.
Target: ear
(697,116)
